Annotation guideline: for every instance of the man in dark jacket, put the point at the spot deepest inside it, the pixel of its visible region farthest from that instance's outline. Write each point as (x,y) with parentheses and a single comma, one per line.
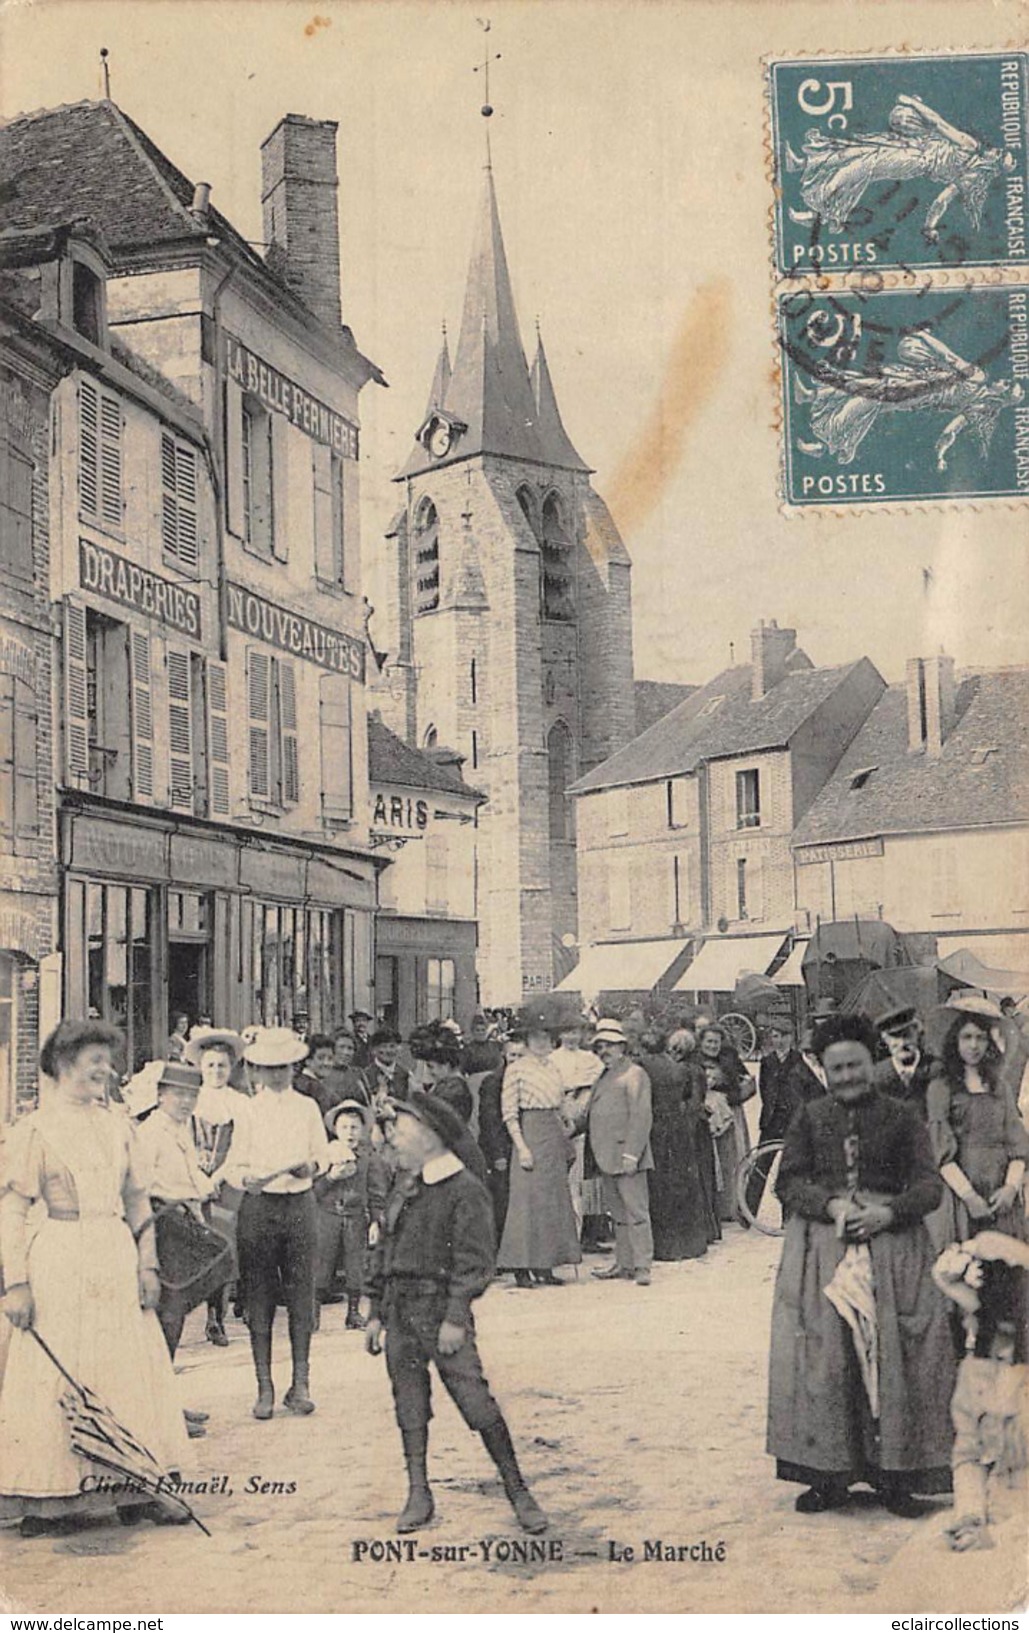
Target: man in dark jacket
(907,1071)
(774,1083)
(384,1076)
(435,1256)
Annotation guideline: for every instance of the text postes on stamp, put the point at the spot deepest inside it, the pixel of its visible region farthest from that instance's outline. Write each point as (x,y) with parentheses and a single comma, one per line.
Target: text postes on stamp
(905,395)
(905,161)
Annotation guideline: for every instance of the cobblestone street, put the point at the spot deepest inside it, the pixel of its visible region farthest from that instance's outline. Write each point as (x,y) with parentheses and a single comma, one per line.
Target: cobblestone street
(639,1416)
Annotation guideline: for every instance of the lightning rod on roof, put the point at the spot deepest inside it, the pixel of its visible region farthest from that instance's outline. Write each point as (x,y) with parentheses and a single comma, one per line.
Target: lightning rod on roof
(105,74)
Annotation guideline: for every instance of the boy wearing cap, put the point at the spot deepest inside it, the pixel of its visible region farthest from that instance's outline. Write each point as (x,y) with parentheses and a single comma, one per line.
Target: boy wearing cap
(435,1256)
(278,1150)
(351,1199)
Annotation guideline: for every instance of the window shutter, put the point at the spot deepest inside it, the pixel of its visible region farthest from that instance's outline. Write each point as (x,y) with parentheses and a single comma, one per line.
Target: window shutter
(169,498)
(16,473)
(321,476)
(234,505)
(755,889)
(89,447)
(7,757)
(341,555)
(76,711)
(217,739)
(259,722)
(142,703)
(179,533)
(110,461)
(26,787)
(180,730)
(289,749)
(278,485)
(337,748)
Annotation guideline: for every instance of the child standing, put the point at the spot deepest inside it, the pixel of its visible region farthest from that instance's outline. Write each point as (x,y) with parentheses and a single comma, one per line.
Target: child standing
(351,1204)
(988,1279)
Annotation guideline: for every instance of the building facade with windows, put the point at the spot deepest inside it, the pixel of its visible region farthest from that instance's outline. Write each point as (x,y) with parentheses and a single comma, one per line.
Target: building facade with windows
(214,823)
(685,867)
(423,815)
(512,642)
(925,822)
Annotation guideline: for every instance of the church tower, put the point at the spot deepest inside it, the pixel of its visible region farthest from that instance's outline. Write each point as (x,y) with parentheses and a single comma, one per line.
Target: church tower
(515,620)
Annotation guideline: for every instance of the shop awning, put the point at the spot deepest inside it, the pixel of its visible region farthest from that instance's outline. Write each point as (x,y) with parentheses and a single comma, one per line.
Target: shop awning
(720,963)
(790,975)
(623,966)
(993,963)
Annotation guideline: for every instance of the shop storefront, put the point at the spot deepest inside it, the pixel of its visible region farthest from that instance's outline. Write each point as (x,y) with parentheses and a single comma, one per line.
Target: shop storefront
(424,971)
(161,919)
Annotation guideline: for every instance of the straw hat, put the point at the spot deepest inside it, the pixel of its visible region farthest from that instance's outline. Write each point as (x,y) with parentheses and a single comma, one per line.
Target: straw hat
(354,1106)
(969,1003)
(275,1046)
(608,1031)
(210,1037)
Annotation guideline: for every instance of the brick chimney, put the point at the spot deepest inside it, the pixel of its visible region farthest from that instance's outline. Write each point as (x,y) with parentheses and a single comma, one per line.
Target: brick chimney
(931,691)
(299,184)
(770,648)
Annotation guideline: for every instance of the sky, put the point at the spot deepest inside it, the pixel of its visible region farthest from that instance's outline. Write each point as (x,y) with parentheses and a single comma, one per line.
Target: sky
(629,159)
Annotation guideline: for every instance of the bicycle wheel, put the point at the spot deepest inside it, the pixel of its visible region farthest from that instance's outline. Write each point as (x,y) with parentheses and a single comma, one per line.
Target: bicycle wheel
(763,1211)
(741,1032)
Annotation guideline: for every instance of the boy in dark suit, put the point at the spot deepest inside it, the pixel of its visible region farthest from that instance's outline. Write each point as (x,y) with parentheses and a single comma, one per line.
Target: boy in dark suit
(435,1256)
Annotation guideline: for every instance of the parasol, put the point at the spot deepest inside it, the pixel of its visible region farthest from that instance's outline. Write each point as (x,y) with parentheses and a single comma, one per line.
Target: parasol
(97,1435)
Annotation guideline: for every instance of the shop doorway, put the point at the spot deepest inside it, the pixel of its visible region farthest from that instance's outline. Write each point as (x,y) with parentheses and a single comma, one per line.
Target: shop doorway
(189,991)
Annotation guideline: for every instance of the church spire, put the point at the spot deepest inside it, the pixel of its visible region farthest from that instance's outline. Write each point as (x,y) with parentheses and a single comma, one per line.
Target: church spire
(554,439)
(441,379)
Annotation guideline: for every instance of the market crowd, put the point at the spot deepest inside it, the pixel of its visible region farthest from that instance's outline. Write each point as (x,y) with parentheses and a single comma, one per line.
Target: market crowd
(261,1170)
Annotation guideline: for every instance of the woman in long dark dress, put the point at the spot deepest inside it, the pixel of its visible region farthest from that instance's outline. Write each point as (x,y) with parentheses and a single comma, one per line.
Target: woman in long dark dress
(978,1137)
(678,1208)
(725,1076)
(862,1365)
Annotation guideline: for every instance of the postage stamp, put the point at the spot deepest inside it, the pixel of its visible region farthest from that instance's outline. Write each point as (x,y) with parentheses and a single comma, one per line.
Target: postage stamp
(901,161)
(905,394)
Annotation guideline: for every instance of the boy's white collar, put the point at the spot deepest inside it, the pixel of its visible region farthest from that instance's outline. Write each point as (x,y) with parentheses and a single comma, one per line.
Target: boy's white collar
(441,1167)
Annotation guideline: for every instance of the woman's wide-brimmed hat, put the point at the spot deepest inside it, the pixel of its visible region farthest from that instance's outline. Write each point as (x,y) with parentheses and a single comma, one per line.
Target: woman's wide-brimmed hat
(275,1046)
(212,1037)
(174,1075)
(970,1003)
(607,1031)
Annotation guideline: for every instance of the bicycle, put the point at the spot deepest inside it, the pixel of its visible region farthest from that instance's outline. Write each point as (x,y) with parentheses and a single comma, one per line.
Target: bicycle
(766,1215)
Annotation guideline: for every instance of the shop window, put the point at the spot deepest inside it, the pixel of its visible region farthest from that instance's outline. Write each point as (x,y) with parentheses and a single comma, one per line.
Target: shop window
(559,767)
(741,887)
(440,985)
(179,528)
(274,766)
(119,986)
(100,456)
(19,790)
(680,889)
(748,799)
(330,562)
(555,565)
(295,966)
(259,474)
(677,791)
(426,559)
(16,474)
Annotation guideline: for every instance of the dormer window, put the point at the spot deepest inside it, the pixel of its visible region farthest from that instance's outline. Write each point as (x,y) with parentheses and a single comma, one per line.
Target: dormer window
(87,303)
(860,778)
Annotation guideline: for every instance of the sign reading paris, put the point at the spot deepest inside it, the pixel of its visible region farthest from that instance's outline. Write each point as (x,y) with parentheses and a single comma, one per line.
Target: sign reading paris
(903,161)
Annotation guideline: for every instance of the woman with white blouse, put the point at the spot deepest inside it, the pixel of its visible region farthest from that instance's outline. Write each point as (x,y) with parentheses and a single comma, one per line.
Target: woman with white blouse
(539,1230)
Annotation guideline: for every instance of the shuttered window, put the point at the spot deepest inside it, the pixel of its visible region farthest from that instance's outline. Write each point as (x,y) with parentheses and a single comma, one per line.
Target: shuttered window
(76,709)
(182,774)
(16,472)
(19,792)
(100,455)
(142,714)
(337,748)
(289,750)
(179,530)
(217,739)
(259,713)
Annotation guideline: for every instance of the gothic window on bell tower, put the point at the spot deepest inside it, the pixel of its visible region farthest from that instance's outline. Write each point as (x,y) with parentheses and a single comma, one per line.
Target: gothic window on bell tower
(426,558)
(560,774)
(556,566)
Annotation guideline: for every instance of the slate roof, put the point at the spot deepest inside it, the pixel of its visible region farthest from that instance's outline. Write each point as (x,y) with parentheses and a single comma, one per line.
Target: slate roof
(489,388)
(702,729)
(655,699)
(964,787)
(90,161)
(391,760)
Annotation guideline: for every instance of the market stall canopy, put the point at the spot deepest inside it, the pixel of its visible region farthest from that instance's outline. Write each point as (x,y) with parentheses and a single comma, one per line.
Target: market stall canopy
(846,941)
(970,967)
(923,986)
(720,963)
(791,974)
(622,966)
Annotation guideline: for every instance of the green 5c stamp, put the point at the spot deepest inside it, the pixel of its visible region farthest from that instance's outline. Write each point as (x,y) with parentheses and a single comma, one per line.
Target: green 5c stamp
(900,162)
(905,395)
